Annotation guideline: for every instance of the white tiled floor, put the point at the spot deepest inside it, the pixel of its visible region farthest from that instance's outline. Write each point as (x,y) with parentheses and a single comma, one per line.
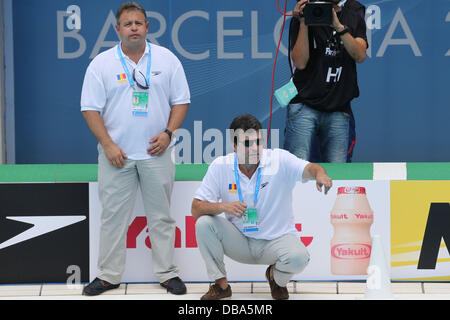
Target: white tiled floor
(241,291)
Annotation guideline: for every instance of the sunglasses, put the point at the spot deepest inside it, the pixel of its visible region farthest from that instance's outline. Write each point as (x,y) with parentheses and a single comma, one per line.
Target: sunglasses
(249,143)
(140,80)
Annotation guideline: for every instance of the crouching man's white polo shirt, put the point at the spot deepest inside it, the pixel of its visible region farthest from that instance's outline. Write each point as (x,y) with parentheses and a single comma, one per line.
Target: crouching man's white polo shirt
(107,90)
(279,174)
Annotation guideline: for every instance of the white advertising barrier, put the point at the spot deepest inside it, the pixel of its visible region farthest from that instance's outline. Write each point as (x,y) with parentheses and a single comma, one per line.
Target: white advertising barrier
(312,218)
(312,210)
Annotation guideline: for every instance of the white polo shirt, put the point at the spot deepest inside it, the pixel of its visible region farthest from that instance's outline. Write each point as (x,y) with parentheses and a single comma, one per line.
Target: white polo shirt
(279,174)
(106,89)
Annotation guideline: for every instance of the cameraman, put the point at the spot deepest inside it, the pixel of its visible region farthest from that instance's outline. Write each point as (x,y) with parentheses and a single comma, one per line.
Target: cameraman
(325,76)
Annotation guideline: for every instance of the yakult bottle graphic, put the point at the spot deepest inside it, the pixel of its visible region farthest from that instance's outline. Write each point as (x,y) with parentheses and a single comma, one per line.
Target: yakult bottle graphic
(351,244)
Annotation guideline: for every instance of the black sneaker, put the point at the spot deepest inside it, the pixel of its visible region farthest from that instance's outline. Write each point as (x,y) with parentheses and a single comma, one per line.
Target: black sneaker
(174,285)
(98,286)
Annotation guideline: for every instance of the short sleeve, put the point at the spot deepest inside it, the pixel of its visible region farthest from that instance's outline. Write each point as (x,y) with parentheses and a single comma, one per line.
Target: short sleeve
(93,93)
(293,167)
(179,88)
(209,189)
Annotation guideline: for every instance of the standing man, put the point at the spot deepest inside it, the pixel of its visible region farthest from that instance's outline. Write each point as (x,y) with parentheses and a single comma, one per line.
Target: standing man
(134,96)
(325,59)
(253,187)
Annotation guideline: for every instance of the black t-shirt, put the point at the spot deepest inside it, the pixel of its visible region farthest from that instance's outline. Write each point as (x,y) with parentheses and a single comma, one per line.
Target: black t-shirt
(329,81)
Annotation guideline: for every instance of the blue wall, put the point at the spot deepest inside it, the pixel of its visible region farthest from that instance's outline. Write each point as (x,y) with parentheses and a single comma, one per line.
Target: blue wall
(402,114)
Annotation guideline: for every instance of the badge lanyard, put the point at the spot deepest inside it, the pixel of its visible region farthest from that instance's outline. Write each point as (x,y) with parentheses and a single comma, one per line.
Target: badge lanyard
(238,184)
(125,68)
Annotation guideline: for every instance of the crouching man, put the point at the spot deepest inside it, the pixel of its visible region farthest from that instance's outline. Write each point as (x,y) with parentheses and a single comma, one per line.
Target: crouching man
(253,187)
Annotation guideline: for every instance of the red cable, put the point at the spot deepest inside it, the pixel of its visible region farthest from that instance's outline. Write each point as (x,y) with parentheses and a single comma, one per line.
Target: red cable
(275,63)
(351,147)
(283,13)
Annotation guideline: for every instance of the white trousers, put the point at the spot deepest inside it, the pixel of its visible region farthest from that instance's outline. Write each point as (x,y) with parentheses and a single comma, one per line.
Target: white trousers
(117,192)
(216,237)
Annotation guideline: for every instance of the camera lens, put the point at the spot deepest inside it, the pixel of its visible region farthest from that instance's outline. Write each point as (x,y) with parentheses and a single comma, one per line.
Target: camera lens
(317,12)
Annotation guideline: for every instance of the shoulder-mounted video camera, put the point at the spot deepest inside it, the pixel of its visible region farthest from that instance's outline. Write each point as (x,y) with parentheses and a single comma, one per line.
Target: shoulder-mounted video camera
(318,13)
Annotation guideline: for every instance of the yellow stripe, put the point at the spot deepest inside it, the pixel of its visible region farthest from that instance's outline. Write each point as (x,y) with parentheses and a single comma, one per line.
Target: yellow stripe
(413,263)
(446,278)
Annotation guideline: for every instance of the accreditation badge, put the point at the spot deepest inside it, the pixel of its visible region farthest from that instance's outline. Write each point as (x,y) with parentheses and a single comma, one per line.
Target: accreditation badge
(286,93)
(140,103)
(250,220)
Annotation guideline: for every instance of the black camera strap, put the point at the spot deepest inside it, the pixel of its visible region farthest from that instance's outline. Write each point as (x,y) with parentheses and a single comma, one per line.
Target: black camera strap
(289,48)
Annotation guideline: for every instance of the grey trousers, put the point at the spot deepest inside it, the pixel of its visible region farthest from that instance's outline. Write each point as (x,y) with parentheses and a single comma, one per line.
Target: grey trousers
(117,192)
(216,237)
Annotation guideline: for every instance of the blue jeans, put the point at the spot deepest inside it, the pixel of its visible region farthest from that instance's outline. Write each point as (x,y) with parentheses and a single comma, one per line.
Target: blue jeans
(303,124)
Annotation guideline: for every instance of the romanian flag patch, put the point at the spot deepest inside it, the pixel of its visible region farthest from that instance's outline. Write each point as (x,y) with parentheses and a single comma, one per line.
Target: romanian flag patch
(232,188)
(121,78)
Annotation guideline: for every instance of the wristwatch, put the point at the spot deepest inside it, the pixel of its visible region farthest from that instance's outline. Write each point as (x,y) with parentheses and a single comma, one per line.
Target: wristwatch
(169,133)
(344,31)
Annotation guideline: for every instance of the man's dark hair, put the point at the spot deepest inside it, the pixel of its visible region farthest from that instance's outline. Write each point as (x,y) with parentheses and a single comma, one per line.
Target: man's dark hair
(244,122)
(129,6)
